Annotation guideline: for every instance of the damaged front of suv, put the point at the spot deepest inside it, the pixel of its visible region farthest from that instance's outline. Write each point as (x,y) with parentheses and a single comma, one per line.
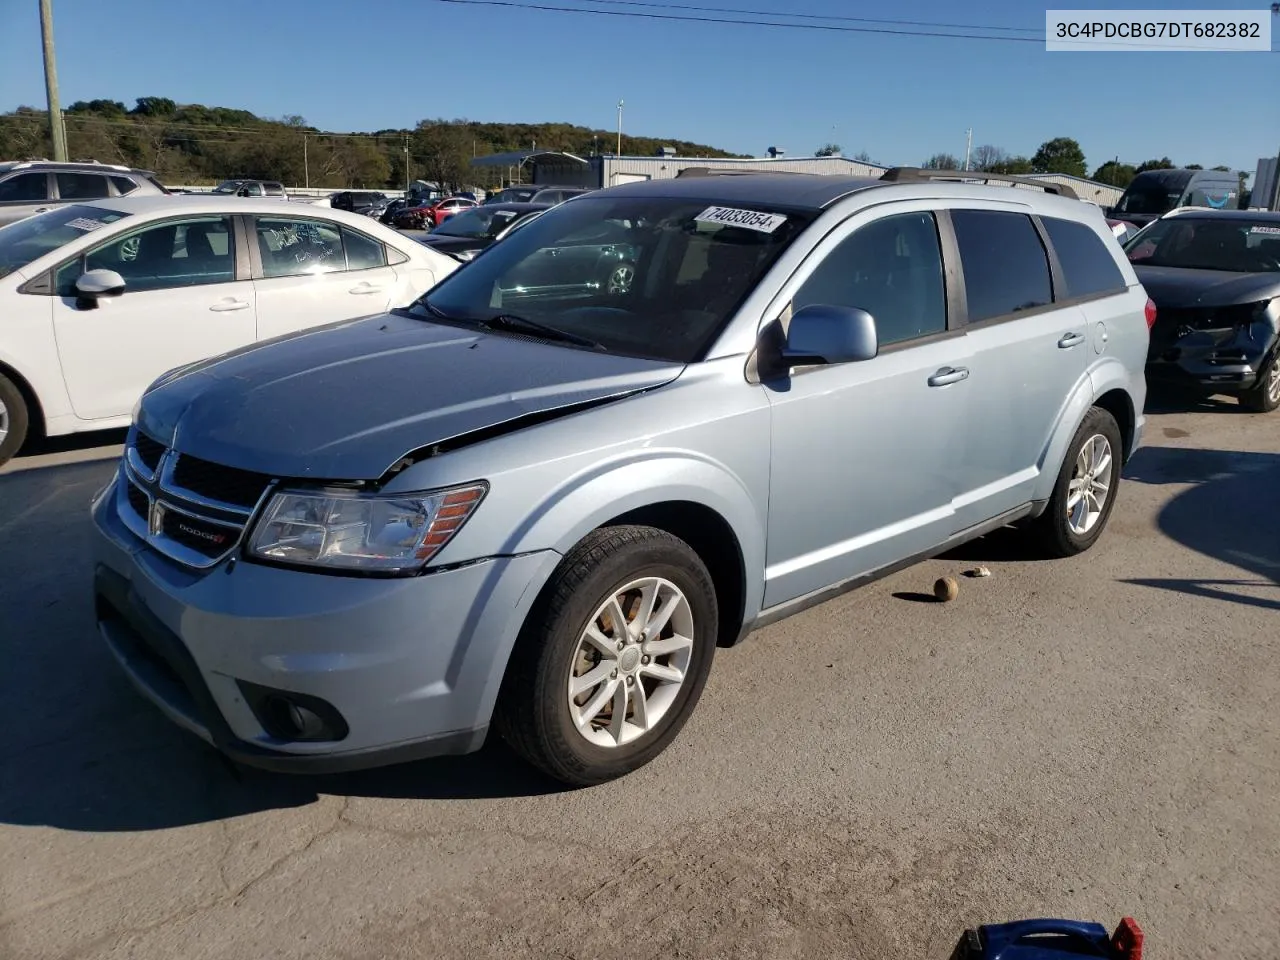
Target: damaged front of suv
(1214,277)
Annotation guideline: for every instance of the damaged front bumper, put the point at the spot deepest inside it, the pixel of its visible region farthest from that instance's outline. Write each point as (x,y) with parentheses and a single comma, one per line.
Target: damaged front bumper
(1225,350)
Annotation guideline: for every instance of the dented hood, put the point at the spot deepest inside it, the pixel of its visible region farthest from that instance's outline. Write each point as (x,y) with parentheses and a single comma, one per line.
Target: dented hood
(347,401)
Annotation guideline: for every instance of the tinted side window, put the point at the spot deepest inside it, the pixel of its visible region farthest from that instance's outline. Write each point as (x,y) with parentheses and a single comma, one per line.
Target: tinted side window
(292,248)
(124,185)
(1005,267)
(275,190)
(166,255)
(24,188)
(1087,265)
(891,268)
(362,252)
(82,186)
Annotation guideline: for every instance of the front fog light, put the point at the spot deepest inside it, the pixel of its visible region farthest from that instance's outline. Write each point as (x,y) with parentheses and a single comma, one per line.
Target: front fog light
(360,532)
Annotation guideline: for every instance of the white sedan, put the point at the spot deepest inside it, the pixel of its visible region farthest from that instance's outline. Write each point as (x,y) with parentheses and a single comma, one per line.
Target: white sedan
(98,299)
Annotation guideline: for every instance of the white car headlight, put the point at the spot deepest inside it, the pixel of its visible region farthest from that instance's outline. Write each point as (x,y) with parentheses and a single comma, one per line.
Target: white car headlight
(392,534)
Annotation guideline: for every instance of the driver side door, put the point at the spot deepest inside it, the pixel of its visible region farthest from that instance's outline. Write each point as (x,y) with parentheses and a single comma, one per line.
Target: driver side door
(187,296)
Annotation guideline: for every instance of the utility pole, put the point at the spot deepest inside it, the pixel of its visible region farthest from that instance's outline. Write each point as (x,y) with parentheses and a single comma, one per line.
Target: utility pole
(406,163)
(620,102)
(57,130)
(968,146)
(306,167)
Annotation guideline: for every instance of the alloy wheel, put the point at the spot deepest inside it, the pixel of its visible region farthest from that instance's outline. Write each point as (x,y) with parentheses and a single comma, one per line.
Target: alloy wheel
(4,422)
(621,278)
(1090,484)
(1273,382)
(631,662)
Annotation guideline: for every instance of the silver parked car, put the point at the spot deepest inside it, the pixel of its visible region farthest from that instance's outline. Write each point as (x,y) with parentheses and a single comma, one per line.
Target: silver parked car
(538,500)
(34,186)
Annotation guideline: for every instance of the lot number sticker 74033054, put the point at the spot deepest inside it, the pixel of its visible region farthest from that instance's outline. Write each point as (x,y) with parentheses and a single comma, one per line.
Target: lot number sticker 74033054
(750,219)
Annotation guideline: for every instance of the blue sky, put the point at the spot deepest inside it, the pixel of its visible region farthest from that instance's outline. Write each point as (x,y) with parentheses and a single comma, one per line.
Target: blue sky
(389,63)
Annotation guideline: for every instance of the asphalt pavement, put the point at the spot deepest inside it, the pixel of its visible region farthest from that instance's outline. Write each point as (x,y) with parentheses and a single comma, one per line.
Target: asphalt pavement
(1087,738)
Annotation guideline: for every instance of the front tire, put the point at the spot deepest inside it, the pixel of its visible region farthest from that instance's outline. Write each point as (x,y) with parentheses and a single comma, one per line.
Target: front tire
(1085,492)
(14,420)
(612,658)
(1264,396)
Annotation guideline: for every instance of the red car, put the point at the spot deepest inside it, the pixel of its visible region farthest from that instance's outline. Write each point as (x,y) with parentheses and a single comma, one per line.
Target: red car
(432,214)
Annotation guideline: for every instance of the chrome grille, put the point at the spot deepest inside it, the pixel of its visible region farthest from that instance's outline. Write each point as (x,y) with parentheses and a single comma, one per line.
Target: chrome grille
(188,509)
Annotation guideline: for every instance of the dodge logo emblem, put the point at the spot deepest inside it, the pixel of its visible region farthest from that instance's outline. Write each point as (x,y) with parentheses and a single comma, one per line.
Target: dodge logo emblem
(155,521)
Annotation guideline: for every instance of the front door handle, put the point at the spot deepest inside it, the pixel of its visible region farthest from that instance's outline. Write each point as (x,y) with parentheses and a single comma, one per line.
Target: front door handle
(1071,340)
(363,288)
(949,375)
(226,306)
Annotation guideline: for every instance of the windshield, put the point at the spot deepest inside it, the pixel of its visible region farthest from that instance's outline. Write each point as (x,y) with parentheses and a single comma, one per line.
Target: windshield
(27,240)
(1238,245)
(228,186)
(513,195)
(1148,198)
(477,222)
(646,277)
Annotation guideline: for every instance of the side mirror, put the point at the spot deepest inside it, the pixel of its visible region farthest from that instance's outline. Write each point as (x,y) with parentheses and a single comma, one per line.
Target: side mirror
(824,333)
(100,283)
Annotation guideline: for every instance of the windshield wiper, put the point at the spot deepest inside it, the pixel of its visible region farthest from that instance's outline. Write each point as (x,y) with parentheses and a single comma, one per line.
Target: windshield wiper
(513,322)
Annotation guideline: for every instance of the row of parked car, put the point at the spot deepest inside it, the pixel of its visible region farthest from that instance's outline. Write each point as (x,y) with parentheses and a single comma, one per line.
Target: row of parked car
(537,490)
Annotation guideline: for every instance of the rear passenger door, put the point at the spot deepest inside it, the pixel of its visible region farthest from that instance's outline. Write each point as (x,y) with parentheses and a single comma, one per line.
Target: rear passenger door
(309,272)
(1029,349)
(23,195)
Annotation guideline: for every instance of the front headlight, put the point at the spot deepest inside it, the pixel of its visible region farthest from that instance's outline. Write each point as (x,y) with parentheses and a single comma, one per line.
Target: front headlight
(391,534)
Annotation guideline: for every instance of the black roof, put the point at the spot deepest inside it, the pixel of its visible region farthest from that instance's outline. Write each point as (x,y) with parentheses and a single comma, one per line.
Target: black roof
(517,206)
(798,190)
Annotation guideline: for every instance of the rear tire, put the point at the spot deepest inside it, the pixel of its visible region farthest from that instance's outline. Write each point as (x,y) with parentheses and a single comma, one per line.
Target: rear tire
(1086,489)
(615,722)
(1264,396)
(14,420)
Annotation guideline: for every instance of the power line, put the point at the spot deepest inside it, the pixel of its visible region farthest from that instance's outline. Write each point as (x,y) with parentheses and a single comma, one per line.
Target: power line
(825,27)
(817,16)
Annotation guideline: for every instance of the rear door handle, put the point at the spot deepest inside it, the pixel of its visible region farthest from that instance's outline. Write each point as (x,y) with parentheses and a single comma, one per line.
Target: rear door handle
(949,375)
(1070,340)
(226,306)
(363,288)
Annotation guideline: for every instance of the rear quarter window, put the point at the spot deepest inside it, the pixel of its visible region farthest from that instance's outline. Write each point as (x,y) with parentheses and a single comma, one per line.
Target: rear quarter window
(1088,267)
(1006,269)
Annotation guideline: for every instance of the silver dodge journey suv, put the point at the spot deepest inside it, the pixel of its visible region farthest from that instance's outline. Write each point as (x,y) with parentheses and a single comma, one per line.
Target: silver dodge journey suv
(540,497)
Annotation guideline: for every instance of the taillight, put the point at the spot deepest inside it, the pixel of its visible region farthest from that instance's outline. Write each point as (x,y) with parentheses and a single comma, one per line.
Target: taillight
(1150,312)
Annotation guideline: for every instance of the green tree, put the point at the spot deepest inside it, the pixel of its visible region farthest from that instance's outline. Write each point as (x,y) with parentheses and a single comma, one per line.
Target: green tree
(1116,174)
(1059,155)
(1013,167)
(1221,168)
(941,161)
(828,150)
(154,107)
(862,157)
(1193,166)
(1164,163)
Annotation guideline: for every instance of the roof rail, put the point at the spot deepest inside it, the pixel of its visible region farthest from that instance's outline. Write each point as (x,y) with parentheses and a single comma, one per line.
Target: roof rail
(722,172)
(72,163)
(917,175)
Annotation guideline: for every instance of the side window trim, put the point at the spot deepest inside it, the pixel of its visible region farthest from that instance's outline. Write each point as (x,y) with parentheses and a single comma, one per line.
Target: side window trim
(1057,279)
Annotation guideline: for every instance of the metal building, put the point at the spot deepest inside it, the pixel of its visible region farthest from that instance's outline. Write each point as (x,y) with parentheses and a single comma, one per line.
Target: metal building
(1103,194)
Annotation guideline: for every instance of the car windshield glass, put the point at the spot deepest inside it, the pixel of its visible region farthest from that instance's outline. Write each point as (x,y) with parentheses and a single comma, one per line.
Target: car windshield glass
(29,239)
(1238,244)
(476,222)
(1152,199)
(228,186)
(511,195)
(645,277)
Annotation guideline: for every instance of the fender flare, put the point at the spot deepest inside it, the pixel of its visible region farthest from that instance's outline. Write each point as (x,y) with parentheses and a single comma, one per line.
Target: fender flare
(590,499)
(1109,374)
